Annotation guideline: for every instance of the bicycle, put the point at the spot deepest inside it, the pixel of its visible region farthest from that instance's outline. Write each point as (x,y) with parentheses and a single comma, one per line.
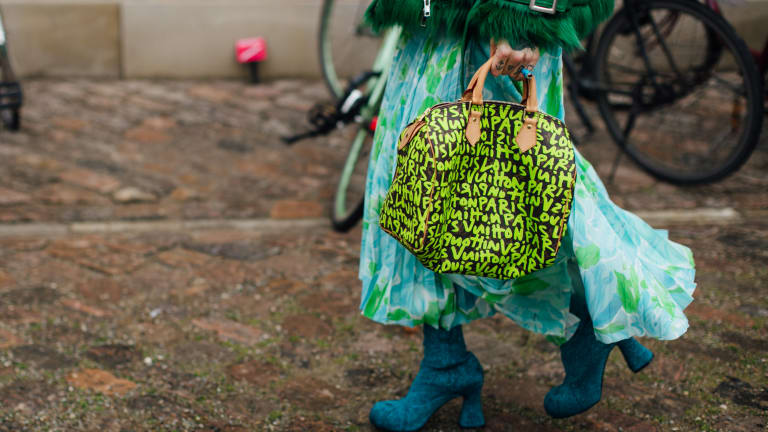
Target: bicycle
(357,102)
(642,76)
(10,89)
(628,106)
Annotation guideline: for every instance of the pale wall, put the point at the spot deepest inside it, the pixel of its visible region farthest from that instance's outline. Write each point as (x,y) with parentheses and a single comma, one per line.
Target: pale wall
(62,39)
(195,38)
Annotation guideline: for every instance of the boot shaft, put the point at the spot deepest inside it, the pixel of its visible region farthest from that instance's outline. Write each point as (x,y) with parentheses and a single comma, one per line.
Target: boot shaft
(444,348)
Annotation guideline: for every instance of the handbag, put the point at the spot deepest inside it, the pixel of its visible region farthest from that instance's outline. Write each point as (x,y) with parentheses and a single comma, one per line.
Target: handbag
(482,188)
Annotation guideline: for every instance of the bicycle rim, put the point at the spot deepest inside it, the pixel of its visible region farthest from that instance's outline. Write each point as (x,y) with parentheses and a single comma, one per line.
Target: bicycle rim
(345,45)
(689,111)
(347,207)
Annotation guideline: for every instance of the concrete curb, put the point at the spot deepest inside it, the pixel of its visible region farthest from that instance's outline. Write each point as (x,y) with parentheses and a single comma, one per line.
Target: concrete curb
(661,218)
(254,225)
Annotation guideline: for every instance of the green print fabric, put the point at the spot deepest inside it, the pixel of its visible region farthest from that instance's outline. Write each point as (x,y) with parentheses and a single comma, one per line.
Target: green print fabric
(636,281)
(484,209)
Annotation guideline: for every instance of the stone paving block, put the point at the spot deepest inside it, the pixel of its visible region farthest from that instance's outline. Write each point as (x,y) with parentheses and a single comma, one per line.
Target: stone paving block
(132,195)
(113,355)
(61,194)
(41,357)
(30,296)
(255,372)
(230,330)
(296,210)
(12,315)
(312,393)
(6,280)
(306,326)
(93,256)
(8,339)
(100,381)
(84,308)
(221,312)
(27,397)
(72,124)
(708,313)
(223,272)
(179,257)
(10,197)
(147,135)
(90,180)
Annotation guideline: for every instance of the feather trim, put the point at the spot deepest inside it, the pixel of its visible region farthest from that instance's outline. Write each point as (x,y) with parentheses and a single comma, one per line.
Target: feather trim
(498,19)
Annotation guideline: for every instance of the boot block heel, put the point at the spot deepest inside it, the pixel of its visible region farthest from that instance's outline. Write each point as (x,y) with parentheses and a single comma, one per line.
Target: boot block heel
(472,410)
(635,354)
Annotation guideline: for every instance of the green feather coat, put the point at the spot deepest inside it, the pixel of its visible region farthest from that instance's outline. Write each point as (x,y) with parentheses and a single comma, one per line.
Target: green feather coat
(497,19)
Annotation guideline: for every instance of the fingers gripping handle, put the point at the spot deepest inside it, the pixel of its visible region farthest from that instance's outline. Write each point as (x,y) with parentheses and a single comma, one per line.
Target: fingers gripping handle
(526,137)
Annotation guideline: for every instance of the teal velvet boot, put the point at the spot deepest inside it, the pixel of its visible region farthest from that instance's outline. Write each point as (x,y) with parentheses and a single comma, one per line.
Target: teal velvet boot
(636,355)
(447,371)
(584,359)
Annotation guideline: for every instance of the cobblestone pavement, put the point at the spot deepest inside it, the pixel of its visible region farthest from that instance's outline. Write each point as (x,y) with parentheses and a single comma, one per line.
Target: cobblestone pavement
(229,327)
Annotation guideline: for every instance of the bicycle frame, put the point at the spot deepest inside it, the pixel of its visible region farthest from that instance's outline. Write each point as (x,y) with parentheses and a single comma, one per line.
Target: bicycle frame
(381,66)
(10,90)
(761,57)
(4,70)
(378,82)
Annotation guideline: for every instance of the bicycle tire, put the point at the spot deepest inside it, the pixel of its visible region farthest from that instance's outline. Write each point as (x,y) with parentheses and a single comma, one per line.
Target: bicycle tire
(324,49)
(11,119)
(751,90)
(372,64)
(352,32)
(346,208)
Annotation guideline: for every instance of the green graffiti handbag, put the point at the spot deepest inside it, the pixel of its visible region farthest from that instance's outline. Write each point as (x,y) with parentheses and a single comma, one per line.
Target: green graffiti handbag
(482,188)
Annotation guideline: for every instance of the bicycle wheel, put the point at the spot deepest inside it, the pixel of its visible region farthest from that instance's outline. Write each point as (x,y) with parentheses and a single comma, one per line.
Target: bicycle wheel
(678,90)
(347,209)
(10,90)
(346,46)
(11,119)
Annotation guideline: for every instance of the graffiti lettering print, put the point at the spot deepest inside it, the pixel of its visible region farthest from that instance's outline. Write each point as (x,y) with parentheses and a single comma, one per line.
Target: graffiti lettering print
(488,209)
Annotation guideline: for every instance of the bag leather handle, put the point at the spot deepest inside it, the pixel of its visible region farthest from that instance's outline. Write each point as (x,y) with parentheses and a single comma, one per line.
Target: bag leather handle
(474,91)
(526,137)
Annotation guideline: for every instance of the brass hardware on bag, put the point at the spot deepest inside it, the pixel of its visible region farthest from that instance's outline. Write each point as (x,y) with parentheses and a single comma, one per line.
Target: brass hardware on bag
(473,126)
(528,134)
(446,153)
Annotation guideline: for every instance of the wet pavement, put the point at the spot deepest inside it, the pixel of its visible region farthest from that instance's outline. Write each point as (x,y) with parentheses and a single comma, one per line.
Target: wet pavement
(165,264)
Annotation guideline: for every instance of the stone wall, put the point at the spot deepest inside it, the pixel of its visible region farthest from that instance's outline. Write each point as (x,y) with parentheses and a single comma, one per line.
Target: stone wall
(195,38)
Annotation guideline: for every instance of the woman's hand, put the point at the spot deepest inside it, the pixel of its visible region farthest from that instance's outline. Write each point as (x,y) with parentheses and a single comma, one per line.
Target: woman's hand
(509,61)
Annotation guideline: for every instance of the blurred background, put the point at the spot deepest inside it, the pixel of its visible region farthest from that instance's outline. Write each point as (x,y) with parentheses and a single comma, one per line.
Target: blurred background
(174,257)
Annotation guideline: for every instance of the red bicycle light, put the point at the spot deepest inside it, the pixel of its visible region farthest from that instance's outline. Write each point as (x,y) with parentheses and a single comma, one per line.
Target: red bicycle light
(374,122)
(251,50)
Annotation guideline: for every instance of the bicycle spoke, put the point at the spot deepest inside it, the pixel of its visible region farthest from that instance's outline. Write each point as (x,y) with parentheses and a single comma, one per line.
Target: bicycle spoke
(735,89)
(686,108)
(623,68)
(665,48)
(617,91)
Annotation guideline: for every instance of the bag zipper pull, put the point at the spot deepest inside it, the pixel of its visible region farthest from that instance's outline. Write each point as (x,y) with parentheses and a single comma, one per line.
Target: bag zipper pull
(427,12)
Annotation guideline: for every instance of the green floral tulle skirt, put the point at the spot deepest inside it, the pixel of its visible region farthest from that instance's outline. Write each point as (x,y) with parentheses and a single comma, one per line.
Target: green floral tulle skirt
(636,281)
